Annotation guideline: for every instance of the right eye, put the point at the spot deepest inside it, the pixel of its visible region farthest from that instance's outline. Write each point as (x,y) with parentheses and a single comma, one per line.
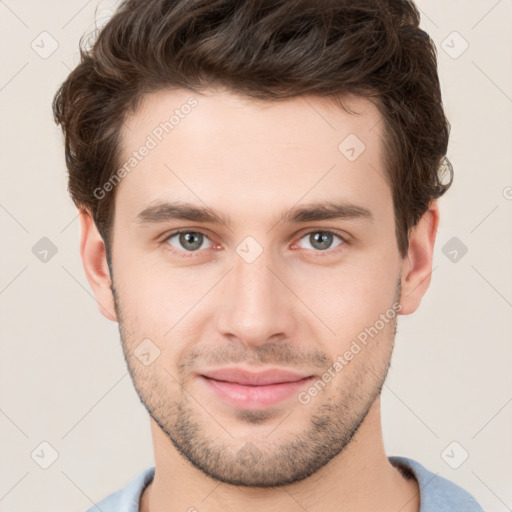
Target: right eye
(188,241)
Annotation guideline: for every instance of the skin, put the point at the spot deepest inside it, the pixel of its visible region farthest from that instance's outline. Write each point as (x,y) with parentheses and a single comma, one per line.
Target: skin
(295,307)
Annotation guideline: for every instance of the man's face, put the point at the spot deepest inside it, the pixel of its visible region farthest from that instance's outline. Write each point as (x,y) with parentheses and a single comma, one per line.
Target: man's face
(247,315)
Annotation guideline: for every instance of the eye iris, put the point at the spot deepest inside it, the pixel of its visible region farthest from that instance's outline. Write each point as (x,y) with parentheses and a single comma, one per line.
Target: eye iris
(321,240)
(191,241)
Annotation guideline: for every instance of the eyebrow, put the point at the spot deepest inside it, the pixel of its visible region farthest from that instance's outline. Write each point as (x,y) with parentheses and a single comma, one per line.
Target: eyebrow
(163,212)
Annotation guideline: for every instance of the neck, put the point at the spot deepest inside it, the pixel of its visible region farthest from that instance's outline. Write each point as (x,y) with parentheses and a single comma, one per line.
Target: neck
(358,479)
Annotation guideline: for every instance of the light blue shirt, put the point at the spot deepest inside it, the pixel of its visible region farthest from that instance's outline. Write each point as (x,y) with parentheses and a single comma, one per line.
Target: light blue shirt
(437,494)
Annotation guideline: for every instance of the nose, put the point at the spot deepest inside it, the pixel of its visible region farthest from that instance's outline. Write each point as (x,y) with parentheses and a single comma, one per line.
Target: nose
(256,307)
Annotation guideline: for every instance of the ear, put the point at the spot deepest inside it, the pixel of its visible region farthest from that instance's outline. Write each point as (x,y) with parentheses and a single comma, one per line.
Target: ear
(417,265)
(94,259)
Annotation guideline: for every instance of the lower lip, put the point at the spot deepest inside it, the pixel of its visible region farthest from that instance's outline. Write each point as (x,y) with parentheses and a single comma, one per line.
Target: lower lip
(255,397)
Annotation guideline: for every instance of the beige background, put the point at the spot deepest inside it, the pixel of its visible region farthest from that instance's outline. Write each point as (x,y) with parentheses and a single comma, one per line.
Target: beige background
(63,379)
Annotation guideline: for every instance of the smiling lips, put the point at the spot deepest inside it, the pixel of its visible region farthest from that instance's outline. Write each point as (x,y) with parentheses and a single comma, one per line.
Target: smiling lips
(254,390)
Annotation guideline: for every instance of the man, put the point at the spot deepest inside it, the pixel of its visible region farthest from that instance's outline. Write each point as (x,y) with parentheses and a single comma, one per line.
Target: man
(257,185)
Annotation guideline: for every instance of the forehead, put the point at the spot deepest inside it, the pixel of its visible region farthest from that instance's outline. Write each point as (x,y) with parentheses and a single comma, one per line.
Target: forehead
(242,154)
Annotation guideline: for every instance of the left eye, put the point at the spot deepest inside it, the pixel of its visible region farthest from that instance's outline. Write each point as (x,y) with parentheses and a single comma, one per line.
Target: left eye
(320,240)
(189,240)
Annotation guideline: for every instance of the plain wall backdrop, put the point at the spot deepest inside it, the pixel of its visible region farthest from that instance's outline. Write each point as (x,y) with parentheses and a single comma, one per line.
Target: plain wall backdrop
(63,380)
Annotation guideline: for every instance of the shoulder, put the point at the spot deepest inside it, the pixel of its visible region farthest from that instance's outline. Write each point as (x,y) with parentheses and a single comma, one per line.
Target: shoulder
(437,494)
(126,499)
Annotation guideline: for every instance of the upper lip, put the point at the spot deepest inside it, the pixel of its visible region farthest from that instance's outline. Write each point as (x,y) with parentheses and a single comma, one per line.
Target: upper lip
(253,378)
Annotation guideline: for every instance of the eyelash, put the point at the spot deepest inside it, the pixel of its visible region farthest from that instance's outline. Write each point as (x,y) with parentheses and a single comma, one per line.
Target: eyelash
(187,254)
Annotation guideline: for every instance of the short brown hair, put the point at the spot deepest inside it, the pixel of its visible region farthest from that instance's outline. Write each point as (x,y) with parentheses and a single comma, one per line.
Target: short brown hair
(269,50)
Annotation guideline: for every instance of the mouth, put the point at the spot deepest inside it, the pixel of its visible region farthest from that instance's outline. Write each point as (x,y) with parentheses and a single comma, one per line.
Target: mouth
(254,390)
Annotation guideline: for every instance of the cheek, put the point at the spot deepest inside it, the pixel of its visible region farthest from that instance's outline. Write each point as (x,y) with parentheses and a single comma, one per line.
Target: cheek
(350,297)
(161,303)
